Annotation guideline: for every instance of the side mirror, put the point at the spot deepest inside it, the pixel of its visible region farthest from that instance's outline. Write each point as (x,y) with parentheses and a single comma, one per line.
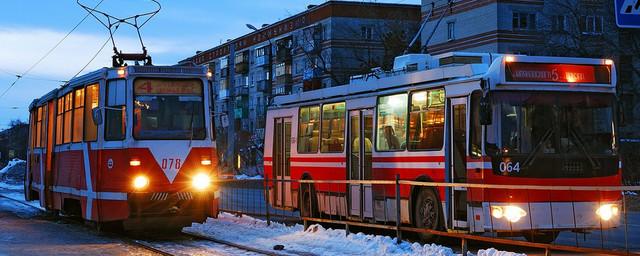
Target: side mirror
(96,115)
(486,114)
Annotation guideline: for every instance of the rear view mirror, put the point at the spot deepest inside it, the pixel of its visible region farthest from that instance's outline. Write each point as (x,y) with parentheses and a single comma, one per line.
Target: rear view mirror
(486,113)
(96,115)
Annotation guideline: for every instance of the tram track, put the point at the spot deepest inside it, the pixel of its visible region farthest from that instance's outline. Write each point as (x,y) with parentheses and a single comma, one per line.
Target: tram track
(159,247)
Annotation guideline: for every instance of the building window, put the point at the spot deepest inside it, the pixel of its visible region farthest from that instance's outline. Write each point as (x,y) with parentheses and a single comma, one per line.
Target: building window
(392,125)
(366,32)
(524,21)
(592,25)
(451,28)
(333,117)
(559,23)
(426,120)
(308,129)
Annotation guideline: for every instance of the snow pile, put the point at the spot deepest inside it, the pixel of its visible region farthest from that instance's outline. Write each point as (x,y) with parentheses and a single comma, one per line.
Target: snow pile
(315,240)
(14,171)
(494,252)
(246,177)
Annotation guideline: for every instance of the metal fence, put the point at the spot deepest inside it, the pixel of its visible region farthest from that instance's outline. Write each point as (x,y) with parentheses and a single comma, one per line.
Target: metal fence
(396,204)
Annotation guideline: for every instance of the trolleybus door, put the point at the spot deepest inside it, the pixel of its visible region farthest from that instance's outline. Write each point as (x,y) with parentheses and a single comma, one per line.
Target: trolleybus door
(281,162)
(359,155)
(458,160)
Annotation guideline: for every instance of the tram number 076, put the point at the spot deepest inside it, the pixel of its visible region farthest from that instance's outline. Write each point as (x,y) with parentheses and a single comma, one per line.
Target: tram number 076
(171,163)
(509,166)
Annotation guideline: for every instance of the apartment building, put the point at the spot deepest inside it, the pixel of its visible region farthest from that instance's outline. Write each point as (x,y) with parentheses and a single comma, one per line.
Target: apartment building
(320,47)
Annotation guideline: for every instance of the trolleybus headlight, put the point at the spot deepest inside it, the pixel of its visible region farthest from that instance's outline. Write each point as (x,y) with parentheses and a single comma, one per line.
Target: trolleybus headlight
(607,211)
(140,182)
(201,181)
(510,212)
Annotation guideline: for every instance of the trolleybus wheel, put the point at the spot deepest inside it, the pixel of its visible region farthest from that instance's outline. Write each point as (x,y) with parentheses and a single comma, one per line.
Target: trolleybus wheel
(426,213)
(308,206)
(545,237)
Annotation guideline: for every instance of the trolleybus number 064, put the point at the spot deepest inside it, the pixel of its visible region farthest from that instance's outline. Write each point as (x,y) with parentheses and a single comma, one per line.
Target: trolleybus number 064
(171,163)
(509,166)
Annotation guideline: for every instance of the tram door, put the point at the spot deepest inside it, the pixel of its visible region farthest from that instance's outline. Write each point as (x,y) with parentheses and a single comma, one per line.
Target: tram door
(281,163)
(458,160)
(359,155)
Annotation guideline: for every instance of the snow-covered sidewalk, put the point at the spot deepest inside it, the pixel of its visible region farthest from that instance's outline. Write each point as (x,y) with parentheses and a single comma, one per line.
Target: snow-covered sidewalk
(315,240)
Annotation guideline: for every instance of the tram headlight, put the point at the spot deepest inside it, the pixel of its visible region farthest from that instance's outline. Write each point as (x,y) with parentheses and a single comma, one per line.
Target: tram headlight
(140,182)
(201,181)
(509,212)
(607,211)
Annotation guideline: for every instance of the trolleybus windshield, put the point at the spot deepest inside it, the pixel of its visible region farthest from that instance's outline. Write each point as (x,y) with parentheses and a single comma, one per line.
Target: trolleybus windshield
(168,109)
(558,134)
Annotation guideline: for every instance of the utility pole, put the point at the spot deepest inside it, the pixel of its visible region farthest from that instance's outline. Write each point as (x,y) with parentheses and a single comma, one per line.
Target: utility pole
(232,135)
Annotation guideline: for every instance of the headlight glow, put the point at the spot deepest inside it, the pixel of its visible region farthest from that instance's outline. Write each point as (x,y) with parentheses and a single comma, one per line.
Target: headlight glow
(510,212)
(140,182)
(201,181)
(607,211)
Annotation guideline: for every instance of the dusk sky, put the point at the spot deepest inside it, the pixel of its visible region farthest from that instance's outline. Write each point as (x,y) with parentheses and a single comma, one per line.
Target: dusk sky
(28,29)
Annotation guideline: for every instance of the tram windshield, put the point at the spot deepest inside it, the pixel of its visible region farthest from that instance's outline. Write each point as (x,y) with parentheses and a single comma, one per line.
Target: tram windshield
(556,131)
(168,109)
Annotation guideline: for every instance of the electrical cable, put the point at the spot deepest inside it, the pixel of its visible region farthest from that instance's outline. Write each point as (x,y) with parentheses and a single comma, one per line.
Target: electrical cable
(19,76)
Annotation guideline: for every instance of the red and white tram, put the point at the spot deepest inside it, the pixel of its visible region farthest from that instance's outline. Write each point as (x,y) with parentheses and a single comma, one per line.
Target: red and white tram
(129,144)
(455,118)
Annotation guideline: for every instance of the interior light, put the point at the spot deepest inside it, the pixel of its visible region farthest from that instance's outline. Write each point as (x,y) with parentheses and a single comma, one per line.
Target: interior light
(608,62)
(420,96)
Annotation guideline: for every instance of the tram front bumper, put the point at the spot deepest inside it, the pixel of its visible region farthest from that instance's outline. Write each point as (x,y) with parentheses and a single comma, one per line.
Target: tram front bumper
(500,216)
(170,208)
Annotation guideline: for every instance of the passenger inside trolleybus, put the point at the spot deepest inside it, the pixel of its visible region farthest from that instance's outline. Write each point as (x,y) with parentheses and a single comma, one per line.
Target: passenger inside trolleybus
(554,135)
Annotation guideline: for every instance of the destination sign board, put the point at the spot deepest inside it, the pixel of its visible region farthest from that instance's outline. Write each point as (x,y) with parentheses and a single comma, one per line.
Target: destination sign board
(156,86)
(557,73)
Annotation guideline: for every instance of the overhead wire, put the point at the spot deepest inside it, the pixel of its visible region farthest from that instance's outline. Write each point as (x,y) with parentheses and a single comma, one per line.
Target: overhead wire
(19,76)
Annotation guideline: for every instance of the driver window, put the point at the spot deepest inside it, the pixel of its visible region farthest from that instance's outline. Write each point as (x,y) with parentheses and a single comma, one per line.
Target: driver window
(115,117)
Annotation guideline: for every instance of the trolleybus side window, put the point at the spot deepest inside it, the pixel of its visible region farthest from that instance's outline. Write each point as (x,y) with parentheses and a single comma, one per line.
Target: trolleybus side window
(115,121)
(308,129)
(426,120)
(68,107)
(78,120)
(333,117)
(91,102)
(392,116)
(59,120)
(475,133)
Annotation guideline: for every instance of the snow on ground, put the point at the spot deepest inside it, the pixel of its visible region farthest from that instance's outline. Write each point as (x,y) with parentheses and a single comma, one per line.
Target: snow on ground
(11,163)
(246,177)
(315,240)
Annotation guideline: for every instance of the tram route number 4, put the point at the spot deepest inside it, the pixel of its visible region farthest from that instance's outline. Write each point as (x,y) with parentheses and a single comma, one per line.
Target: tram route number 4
(509,167)
(627,13)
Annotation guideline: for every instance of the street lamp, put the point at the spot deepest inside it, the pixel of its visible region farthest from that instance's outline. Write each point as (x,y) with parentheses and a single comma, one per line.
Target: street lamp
(251,27)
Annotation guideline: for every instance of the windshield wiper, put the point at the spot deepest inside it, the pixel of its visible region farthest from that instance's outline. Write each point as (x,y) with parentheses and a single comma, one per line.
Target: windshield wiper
(583,148)
(529,160)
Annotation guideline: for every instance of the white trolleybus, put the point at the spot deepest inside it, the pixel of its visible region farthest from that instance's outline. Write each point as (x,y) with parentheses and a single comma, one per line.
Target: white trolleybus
(476,118)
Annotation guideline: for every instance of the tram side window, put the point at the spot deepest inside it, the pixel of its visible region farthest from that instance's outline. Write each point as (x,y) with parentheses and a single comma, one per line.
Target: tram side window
(115,121)
(333,117)
(91,102)
(475,134)
(38,128)
(308,129)
(426,120)
(59,120)
(78,115)
(392,115)
(68,107)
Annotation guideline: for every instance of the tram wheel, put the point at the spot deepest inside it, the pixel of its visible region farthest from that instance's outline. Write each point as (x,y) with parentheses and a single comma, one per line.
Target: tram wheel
(545,237)
(426,213)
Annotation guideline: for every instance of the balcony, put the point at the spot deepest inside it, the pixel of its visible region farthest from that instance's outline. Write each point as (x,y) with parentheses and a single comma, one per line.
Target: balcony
(281,89)
(242,91)
(224,72)
(264,86)
(242,67)
(311,73)
(223,94)
(262,60)
(312,46)
(283,79)
(283,55)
